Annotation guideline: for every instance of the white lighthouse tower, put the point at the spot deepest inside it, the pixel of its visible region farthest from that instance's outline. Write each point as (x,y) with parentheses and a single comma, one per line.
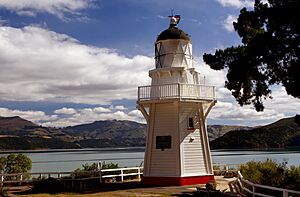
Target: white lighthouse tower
(175,107)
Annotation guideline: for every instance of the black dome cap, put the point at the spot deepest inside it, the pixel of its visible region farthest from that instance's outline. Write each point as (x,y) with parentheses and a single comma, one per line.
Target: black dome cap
(173,33)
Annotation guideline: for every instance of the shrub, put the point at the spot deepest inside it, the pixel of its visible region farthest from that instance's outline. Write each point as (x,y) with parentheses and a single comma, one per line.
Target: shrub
(49,185)
(271,173)
(90,170)
(13,163)
(292,178)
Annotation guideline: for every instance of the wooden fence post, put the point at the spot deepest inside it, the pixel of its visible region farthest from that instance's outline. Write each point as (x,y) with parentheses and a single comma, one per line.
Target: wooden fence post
(122,178)
(21,179)
(2,180)
(253,190)
(139,173)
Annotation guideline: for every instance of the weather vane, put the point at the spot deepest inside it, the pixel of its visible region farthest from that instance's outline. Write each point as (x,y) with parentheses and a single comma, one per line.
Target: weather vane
(174,20)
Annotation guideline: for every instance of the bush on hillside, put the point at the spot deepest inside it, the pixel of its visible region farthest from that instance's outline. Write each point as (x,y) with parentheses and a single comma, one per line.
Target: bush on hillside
(271,173)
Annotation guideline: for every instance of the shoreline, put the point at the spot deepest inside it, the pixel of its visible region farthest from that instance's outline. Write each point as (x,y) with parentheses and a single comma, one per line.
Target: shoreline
(291,149)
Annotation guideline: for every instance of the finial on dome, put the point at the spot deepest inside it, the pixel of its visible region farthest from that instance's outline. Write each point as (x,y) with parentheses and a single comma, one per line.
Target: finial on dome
(174,20)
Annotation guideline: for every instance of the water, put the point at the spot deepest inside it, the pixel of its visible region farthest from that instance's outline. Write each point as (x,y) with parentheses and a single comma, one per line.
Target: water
(69,160)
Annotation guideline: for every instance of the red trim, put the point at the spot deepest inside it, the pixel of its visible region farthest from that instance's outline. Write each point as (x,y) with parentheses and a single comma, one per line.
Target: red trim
(191,130)
(168,181)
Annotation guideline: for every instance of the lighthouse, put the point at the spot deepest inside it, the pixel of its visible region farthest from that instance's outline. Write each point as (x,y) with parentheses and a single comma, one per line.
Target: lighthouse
(175,107)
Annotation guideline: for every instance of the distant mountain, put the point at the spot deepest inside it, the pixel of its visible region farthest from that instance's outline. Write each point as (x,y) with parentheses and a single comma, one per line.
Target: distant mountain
(13,125)
(109,133)
(107,129)
(280,134)
(16,126)
(19,134)
(216,131)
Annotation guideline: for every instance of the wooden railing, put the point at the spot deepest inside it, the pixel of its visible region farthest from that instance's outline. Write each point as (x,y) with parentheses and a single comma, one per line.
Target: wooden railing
(176,90)
(253,189)
(101,174)
(120,173)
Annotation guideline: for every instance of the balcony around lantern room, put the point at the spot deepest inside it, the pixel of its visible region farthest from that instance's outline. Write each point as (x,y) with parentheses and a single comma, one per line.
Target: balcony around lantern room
(176,91)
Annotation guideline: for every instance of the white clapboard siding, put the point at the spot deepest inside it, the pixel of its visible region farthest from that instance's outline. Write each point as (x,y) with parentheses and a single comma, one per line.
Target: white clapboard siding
(193,162)
(165,162)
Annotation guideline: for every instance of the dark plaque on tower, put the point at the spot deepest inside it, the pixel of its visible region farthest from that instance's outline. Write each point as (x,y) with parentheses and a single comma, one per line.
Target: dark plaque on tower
(163,142)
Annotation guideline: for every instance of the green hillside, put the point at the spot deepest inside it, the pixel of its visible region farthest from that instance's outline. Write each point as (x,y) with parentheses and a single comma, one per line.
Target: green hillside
(19,134)
(281,134)
(108,133)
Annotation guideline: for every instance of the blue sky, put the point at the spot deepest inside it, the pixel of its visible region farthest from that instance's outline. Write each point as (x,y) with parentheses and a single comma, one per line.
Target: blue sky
(67,62)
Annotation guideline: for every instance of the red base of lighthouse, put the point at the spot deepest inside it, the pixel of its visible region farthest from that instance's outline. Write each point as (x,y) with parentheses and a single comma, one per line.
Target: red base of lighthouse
(177,181)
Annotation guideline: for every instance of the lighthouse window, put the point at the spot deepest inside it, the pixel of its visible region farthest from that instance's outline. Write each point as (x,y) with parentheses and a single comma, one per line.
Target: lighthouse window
(191,123)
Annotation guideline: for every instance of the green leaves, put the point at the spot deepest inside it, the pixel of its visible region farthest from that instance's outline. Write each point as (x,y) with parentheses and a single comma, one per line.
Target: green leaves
(270,173)
(269,53)
(13,163)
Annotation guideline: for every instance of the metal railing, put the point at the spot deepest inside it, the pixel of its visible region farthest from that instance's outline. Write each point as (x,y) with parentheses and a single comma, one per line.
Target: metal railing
(257,190)
(176,90)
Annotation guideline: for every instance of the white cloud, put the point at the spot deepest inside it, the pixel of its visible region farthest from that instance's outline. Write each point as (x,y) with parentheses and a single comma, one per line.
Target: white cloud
(209,76)
(246,115)
(65,110)
(120,107)
(282,102)
(101,110)
(2,21)
(89,115)
(137,113)
(236,3)
(228,23)
(68,116)
(38,64)
(58,8)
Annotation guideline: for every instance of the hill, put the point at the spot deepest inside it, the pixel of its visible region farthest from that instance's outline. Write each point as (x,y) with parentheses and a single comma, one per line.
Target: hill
(280,134)
(16,126)
(19,134)
(108,133)
(216,131)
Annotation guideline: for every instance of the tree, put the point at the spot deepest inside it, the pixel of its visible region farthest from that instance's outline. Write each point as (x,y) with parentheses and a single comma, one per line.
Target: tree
(268,55)
(13,163)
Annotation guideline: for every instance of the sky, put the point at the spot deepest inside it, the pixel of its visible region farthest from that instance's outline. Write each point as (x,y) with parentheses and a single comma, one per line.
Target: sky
(69,62)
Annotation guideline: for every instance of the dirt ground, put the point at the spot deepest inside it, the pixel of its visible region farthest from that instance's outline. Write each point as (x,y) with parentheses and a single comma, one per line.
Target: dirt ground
(136,189)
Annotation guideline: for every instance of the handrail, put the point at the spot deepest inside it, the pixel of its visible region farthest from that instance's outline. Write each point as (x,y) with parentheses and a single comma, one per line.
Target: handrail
(19,177)
(104,173)
(176,90)
(285,192)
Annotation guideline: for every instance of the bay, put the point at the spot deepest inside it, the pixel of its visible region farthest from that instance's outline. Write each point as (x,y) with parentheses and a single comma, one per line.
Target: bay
(70,159)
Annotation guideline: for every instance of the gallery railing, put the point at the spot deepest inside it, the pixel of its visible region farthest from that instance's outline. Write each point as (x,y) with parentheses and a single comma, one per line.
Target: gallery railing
(176,90)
